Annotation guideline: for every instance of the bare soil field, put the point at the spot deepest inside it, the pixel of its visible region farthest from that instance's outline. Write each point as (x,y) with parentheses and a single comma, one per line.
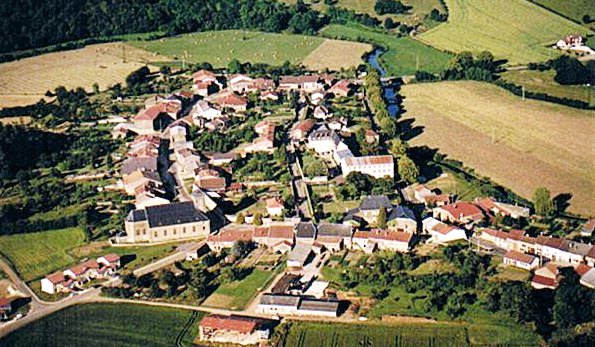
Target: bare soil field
(335,54)
(25,81)
(519,144)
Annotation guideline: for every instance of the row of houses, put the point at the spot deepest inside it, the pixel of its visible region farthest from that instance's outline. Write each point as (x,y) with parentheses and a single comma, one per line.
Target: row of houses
(75,277)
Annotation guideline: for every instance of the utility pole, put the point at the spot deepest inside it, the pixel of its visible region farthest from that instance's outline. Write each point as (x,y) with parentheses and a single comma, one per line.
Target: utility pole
(123,53)
(523,92)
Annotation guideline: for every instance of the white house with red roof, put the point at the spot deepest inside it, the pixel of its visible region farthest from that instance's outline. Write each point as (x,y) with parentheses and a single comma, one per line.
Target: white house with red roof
(341,89)
(269,95)
(377,166)
(442,233)
(378,239)
(275,206)
(520,260)
(233,329)
(54,283)
(459,212)
(494,207)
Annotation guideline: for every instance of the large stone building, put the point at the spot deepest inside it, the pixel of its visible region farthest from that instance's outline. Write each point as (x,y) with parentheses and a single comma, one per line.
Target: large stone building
(166,222)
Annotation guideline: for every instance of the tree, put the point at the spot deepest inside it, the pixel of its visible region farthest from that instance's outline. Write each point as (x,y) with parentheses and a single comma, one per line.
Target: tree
(235,67)
(241,248)
(573,303)
(257,219)
(407,169)
(95,88)
(389,24)
(240,219)
(389,6)
(398,148)
(381,220)
(570,71)
(542,202)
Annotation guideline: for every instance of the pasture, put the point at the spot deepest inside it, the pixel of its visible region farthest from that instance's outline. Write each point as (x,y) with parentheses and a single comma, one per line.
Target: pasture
(107,325)
(236,295)
(573,9)
(35,255)
(518,144)
(220,47)
(516,30)
(25,81)
(543,82)
(403,55)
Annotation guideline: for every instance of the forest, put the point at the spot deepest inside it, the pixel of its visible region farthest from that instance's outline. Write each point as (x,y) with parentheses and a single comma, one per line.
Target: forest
(30,24)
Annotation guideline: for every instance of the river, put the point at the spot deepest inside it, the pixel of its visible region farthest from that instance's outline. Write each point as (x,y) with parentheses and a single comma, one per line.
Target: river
(390,89)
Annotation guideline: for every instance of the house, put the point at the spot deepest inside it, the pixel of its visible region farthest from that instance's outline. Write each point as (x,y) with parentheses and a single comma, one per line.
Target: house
(421,194)
(377,166)
(570,41)
(370,207)
(521,260)
(317,307)
(305,232)
(273,234)
(111,260)
(588,279)
(5,308)
(206,78)
(337,123)
(266,139)
(139,164)
(301,129)
(378,239)
(299,255)
(230,100)
(341,89)
(441,233)
(460,212)
(278,304)
(317,97)
(562,250)
(282,247)
(401,218)
(588,228)
(154,118)
(140,178)
(239,83)
(372,136)
(590,257)
(321,112)
(149,195)
(173,221)
(546,277)
(202,109)
(323,141)
(274,206)
(177,133)
(55,283)
(233,329)
(334,236)
(229,235)
(269,95)
(494,207)
(210,179)
(307,84)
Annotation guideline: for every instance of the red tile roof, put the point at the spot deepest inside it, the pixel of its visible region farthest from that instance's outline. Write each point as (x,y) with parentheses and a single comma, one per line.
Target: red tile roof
(582,269)
(463,209)
(56,277)
(202,74)
(591,253)
(274,203)
(91,264)
(545,281)
(518,256)
(281,232)
(305,125)
(243,325)
(369,160)
(380,234)
(112,257)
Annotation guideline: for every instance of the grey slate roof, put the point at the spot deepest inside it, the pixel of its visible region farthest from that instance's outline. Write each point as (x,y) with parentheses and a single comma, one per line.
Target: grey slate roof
(144,164)
(334,229)
(279,300)
(305,230)
(400,212)
(319,305)
(170,214)
(375,202)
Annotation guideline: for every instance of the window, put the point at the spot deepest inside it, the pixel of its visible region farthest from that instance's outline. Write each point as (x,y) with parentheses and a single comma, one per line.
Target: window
(164,232)
(194,229)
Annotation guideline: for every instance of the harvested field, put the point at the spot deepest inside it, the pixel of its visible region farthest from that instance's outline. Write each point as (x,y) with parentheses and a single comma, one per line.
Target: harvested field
(510,29)
(25,81)
(343,54)
(520,145)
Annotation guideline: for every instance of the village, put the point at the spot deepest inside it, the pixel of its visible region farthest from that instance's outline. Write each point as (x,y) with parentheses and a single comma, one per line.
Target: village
(241,168)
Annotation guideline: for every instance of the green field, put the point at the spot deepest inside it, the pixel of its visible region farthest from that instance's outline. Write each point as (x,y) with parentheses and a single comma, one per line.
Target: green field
(516,30)
(543,82)
(35,255)
(236,295)
(402,335)
(404,55)
(573,9)
(107,325)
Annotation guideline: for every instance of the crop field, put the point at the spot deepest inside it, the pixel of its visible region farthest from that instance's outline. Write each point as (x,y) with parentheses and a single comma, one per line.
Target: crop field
(344,335)
(573,9)
(25,81)
(237,295)
(35,255)
(404,55)
(519,144)
(220,47)
(543,82)
(516,30)
(107,325)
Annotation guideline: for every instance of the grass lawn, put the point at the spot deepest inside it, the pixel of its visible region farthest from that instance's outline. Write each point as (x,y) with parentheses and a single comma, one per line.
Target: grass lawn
(452,184)
(339,206)
(573,9)
(519,144)
(57,213)
(434,266)
(404,55)
(511,29)
(543,82)
(237,295)
(511,273)
(220,47)
(106,325)
(35,255)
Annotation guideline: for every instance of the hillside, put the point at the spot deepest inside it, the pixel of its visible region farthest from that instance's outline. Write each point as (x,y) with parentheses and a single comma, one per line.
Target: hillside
(520,145)
(516,30)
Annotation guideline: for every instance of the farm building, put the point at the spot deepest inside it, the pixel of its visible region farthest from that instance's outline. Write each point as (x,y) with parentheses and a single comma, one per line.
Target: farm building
(234,329)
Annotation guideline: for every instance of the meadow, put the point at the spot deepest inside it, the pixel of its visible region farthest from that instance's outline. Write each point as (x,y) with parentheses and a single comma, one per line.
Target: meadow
(35,255)
(236,295)
(403,56)
(107,325)
(543,82)
(511,29)
(304,334)
(573,9)
(220,47)
(519,144)
(25,81)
